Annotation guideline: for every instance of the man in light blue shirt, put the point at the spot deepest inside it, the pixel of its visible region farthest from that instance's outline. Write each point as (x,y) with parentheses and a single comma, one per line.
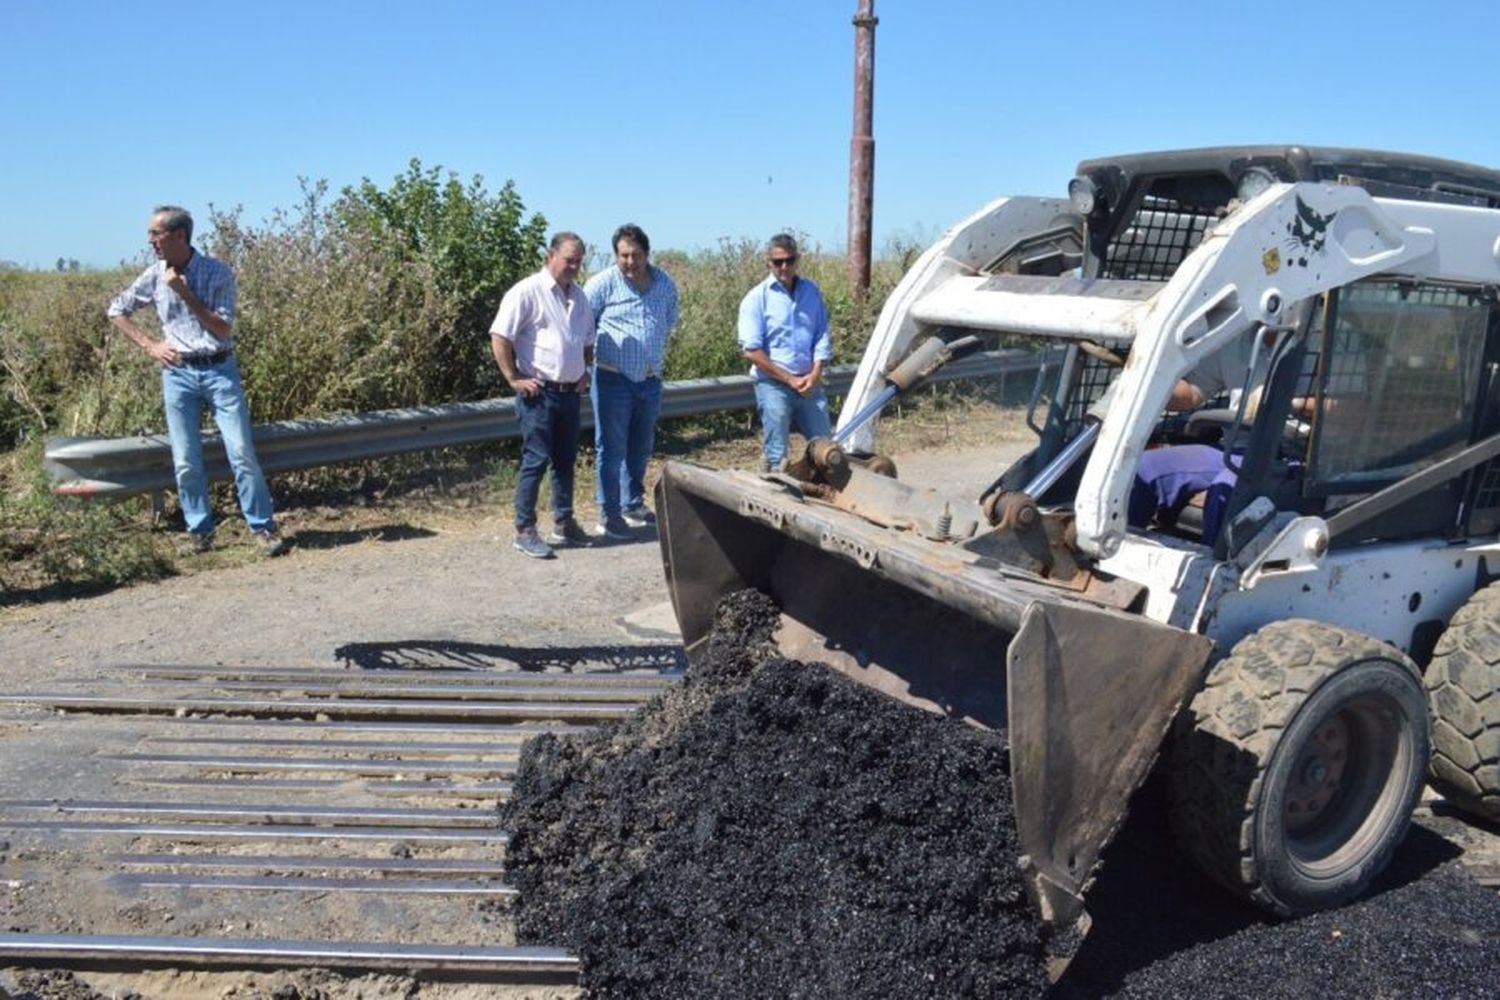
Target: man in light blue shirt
(635,307)
(194,297)
(783,330)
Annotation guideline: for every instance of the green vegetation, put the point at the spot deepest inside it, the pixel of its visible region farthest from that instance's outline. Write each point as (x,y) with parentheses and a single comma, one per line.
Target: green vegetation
(378,297)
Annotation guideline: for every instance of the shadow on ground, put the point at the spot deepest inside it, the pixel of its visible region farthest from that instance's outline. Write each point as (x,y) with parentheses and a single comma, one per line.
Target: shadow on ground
(312,538)
(422,654)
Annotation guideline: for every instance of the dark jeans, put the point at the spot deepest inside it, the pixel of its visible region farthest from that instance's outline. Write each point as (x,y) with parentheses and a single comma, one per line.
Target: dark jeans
(624,433)
(549,436)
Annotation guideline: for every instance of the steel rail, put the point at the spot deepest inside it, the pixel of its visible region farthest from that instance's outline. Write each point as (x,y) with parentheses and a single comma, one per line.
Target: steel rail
(363,689)
(259,831)
(478,678)
(282,813)
(371,766)
(509,746)
(301,862)
(384,708)
(483,791)
(108,468)
(117,952)
(310,883)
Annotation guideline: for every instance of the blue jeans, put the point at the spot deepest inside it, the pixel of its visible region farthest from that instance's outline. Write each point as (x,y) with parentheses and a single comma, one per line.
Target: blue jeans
(624,433)
(549,436)
(185,389)
(779,404)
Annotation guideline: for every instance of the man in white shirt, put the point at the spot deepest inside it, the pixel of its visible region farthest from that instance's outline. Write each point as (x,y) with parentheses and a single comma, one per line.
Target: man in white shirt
(543,341)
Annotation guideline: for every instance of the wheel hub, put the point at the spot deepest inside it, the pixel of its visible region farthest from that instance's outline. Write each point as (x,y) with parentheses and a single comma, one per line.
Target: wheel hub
(1319,773)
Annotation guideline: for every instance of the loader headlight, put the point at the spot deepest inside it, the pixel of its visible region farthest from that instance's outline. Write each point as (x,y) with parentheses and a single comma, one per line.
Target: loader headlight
(1254,181)
(1082,193)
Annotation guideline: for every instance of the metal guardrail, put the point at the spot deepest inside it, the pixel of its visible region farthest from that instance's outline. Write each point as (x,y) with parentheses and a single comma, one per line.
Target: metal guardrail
(108,468)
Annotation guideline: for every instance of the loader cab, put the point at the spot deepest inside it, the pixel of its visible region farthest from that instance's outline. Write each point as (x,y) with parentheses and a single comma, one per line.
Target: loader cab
(1384,378)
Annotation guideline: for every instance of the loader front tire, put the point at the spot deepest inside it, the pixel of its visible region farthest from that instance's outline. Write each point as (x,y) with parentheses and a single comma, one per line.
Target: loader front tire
(1463,686)
(1296,768)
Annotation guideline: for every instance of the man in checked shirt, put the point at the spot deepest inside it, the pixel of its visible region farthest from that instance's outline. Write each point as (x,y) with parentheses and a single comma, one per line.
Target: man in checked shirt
(194,296)
(635,308)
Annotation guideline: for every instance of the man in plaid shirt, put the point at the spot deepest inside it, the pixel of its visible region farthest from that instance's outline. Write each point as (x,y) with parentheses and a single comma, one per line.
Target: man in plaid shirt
(194,297)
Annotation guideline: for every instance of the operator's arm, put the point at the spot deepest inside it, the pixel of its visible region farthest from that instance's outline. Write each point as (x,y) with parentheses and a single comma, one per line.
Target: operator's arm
(509,320)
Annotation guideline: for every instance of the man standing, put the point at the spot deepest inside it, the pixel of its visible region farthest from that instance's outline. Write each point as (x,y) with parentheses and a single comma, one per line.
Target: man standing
(783,330)
(635,307)
(194,297)
(543,341)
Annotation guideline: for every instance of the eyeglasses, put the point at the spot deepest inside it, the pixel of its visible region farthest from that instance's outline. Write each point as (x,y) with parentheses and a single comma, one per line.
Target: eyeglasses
(782,261)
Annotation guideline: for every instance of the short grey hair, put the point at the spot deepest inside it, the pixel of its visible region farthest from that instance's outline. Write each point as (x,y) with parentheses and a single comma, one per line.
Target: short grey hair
(782,241)
(175,219)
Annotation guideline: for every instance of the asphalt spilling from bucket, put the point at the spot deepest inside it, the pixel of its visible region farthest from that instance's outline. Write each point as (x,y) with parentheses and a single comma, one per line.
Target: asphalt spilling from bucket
(774,829)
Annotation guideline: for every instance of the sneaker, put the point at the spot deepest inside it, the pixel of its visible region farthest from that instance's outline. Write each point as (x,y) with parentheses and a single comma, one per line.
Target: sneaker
(528,542)
(567,532)
(271,542)
(638,517)
(193,543)
(613,527)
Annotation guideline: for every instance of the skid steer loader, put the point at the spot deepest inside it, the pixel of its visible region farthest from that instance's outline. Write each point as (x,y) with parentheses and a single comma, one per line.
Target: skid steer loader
(1274,668)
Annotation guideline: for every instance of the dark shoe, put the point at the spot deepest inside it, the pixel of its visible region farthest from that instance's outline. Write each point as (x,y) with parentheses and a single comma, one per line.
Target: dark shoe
(567,532)
(613,527)
(271,543)
(531,544)
(193,543)
(638,517)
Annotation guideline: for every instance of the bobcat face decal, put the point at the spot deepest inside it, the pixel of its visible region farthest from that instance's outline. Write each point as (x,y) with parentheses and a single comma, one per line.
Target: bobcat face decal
(1307,233)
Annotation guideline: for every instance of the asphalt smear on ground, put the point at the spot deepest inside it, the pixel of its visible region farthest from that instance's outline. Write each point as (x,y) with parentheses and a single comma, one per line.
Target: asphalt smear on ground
(773,829)
(1161,930)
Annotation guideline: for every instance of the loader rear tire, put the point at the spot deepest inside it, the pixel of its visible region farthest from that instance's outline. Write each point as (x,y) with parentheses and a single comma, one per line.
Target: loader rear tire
(1463,686)
(1296,768)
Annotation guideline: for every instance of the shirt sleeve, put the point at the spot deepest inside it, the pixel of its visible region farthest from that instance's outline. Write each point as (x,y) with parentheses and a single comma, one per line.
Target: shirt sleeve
(752,325)
(672,303)
(823,339)
(597,294)
(139,293)
(588,315)
(511,316)
(219,292)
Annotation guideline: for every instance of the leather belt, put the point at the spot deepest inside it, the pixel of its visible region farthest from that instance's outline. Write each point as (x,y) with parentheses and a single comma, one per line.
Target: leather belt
(204,360)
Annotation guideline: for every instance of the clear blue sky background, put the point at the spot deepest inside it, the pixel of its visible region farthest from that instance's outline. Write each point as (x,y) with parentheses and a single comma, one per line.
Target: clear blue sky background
(698,120)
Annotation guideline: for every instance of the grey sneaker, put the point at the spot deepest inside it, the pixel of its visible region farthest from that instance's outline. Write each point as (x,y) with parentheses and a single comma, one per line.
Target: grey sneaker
(271,542)
(638,517)
(567,532)
(613,527)
(528,542)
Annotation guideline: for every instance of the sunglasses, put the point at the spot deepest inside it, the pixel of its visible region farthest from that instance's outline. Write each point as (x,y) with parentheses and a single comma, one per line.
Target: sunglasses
(782,261)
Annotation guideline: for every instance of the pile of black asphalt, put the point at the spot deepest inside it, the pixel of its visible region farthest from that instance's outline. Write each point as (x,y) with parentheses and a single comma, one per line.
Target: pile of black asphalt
(772,829)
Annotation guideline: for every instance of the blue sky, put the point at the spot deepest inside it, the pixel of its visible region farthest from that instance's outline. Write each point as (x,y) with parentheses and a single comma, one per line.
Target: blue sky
(698,120)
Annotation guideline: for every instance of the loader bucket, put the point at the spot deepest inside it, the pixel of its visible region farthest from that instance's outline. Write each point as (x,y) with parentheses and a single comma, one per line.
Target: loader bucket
(1085,692)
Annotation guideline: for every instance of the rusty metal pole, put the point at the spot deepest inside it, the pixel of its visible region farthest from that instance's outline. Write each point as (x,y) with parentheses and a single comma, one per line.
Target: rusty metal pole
(862,150)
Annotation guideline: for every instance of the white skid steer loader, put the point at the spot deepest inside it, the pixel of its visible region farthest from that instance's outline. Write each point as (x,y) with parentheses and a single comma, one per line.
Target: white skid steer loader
(1274,667)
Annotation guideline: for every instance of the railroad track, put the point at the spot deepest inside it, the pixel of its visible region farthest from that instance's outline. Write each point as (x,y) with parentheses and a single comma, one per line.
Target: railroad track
(218,818)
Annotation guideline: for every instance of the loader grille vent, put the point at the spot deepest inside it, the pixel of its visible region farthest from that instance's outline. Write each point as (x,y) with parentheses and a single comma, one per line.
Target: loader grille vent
(1153,244)
(1487,496)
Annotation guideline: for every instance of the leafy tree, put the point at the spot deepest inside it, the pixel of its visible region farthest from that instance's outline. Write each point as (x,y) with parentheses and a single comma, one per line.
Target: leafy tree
(476,245)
